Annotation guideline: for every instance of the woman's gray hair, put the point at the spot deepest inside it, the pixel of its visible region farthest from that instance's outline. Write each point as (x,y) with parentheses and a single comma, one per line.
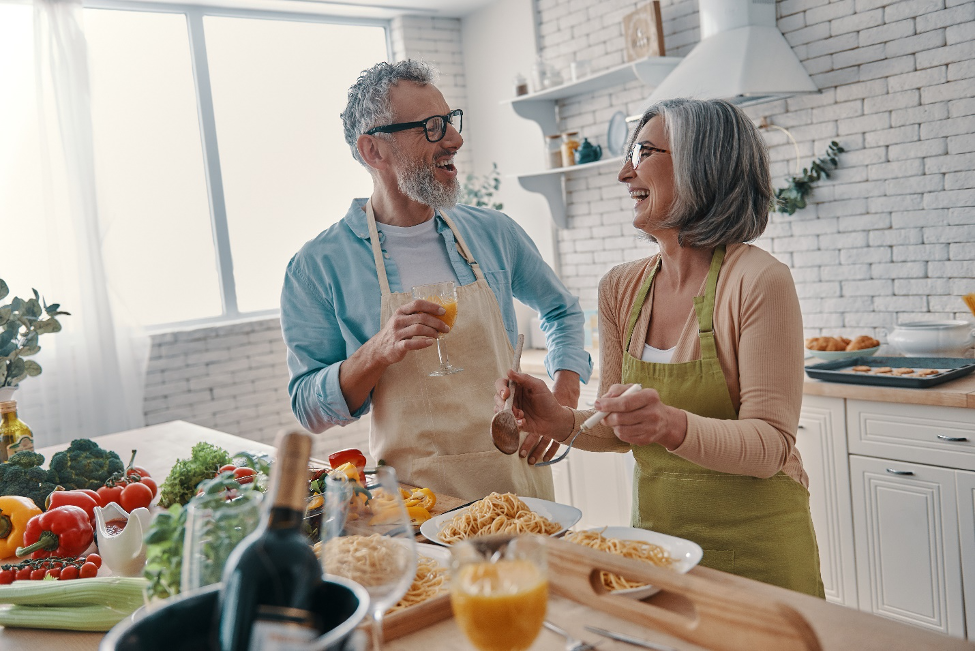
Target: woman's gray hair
(368,102)
(723,191)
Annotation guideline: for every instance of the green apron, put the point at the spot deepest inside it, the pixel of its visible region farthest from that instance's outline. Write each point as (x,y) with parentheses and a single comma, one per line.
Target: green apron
(759,528)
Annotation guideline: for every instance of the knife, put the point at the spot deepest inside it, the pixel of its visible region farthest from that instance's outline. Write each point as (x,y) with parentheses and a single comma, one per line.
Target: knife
(627,639)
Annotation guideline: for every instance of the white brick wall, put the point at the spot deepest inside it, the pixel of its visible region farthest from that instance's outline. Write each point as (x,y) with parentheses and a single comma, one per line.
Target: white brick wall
(890,236)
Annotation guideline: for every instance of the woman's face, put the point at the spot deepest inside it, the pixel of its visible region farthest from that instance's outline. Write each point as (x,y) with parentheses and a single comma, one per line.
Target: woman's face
(649,176)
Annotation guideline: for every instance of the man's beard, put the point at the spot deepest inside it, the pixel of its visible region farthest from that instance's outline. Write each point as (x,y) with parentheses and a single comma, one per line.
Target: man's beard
(417,181)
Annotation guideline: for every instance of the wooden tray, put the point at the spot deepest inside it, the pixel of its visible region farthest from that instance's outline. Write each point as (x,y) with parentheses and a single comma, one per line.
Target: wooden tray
(839,371)
(703,612)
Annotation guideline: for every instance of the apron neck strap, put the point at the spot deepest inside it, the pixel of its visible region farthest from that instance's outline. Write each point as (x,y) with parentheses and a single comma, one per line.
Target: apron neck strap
(640,301)
(462,246)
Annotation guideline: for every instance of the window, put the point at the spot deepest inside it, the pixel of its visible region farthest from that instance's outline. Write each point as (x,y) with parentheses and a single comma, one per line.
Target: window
(218,147)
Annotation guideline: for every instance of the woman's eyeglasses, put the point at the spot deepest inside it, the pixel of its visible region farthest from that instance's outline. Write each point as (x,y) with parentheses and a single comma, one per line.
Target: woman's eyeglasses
(643,150)
(434,127)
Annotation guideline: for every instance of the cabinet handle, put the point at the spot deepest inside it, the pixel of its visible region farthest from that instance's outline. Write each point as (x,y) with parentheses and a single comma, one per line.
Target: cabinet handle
(949,438)
(801,426)
(898,472)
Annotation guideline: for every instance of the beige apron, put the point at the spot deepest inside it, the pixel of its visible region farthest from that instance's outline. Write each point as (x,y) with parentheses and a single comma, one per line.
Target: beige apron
(755,527)
(435,431)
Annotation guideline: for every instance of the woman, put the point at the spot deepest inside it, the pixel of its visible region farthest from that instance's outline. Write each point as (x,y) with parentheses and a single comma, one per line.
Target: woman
(711,328)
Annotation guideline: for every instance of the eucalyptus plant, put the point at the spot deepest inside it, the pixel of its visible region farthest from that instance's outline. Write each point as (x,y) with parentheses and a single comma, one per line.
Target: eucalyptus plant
(21,323)
(793,197)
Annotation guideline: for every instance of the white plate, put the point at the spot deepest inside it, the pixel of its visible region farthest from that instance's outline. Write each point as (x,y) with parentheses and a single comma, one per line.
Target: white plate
(439,554)
(617,134)
(686,553)
(842,355)
(565,515)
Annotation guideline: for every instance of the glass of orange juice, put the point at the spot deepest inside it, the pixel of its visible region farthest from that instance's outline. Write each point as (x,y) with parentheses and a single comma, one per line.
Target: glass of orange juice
(499,590)
(444,295)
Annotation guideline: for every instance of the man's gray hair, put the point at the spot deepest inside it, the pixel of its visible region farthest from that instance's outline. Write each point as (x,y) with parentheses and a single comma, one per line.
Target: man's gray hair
(368,105)
(722,189)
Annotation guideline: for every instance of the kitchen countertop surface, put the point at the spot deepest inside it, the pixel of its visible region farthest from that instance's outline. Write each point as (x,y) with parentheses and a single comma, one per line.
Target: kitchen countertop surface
(954,393)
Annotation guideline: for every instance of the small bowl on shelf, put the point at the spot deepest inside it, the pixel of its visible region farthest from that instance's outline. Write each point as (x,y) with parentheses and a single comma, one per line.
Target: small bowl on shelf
(842,355)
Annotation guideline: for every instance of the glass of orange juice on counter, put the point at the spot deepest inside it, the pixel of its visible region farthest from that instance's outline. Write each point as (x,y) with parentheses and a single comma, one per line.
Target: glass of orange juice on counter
(499,590)
(442,294)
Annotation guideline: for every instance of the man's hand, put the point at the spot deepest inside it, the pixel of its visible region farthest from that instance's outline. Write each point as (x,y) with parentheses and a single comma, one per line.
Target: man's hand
(566,388)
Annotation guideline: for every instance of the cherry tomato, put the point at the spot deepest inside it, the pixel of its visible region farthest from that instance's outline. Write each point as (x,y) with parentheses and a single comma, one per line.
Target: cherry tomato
(149,482)
(23,573)
(226,467)
(110,495)
(7,576)
(38,574)
(88,569)
(244,475)
(143,473)
(53,572)
(70,573)
(95,559)
(93,494)
(136,495)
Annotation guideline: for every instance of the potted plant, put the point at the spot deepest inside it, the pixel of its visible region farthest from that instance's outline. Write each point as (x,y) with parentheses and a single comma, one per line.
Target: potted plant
(21,324)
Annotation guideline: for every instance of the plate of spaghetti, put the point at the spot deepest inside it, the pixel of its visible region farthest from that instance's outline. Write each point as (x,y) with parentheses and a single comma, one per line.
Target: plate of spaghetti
(501,514)
(431,579)
(680,555)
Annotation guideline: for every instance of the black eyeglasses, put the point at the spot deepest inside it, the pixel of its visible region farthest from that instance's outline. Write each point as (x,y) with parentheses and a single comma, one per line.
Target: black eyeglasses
(641,151)
(435,127)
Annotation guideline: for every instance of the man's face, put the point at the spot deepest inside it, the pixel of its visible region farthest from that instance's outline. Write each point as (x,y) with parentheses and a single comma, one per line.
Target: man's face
(425,170)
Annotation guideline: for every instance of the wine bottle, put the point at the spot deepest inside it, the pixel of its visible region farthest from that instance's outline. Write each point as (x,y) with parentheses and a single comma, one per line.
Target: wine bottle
(15,435)
(270,579)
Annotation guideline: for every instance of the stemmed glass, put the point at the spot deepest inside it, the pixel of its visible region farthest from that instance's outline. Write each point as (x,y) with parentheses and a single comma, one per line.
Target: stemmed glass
(443,294)
(367,538)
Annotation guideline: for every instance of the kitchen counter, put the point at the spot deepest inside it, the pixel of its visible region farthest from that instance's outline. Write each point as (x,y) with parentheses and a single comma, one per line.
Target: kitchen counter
(955,393)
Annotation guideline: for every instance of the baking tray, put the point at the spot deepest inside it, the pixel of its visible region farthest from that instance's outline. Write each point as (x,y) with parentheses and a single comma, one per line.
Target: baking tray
(840,371)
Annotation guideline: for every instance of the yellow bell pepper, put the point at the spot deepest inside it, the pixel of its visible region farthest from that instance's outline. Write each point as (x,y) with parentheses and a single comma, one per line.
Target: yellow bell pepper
(423,497)
(416,514)
(15,511)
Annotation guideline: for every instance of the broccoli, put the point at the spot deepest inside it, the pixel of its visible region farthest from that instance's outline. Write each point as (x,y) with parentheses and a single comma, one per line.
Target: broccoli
(181,483)
(22,475)
(84,465)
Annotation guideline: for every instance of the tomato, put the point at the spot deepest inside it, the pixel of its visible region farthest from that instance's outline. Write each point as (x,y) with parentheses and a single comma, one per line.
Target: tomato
(136,495)
(149,482)
(37,574)
(23,573)
(226,467)
(108,495)
(143,473)
(88,569)
(53,572)
(70,573)
(93,494)
(95,559)
(244,475)
(7,576)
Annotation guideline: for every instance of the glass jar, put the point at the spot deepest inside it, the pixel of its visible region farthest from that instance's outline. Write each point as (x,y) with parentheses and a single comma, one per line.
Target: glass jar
(521,85)
(569,148)
(15,435)
(554,151)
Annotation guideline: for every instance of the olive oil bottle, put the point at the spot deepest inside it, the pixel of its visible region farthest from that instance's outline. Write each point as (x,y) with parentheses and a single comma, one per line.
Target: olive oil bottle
(15,435)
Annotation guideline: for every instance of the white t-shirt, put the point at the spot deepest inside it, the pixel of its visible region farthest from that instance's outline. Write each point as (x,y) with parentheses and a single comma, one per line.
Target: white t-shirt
(419,253)
(651,354)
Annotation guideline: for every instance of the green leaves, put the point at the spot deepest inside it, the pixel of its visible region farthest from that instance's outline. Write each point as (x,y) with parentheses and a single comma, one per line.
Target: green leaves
(792,198)
(21,323)
(478,191)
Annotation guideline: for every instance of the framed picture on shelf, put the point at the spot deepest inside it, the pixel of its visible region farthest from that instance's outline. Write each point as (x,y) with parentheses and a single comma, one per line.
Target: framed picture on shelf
(643,36)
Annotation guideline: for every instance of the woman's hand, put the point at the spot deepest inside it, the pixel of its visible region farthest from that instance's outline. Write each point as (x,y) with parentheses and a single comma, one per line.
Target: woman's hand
(641,418)
(538,413)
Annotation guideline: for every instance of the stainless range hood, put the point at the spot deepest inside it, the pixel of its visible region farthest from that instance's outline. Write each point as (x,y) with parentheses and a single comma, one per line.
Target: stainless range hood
(741,57)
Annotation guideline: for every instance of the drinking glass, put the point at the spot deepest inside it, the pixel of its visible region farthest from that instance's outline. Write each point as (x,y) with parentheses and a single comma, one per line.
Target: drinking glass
(444,295)
(213,529)
(370,542)
(499,590)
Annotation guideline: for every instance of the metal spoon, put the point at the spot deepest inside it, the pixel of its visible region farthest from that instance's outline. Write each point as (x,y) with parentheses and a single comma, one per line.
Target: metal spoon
(587,425)
(505,432)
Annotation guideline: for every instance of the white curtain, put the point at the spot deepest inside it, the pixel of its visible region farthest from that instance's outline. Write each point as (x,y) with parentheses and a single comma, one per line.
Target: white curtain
(95,368)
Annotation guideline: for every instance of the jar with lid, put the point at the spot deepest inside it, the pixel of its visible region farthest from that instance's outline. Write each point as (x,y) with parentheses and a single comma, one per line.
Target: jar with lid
(15,435)
(521,85)
(554,151)
(569,148)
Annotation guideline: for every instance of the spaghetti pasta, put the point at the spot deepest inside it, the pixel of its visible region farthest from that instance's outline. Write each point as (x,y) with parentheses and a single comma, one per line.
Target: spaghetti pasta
(496,514)
(428,582)
(628,548)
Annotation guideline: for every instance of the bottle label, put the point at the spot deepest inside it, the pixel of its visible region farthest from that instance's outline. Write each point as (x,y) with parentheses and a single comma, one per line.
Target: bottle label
(281,628)
(25,443)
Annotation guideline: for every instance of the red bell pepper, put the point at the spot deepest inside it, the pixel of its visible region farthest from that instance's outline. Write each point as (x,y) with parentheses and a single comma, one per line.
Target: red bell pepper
(353,455)
(61,532)
(77,498)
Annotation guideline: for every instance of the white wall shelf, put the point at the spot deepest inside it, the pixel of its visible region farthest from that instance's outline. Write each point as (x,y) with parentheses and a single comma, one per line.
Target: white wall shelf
(540,107)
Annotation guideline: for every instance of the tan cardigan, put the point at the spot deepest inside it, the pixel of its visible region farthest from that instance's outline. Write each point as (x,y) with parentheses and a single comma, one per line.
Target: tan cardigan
(759,338)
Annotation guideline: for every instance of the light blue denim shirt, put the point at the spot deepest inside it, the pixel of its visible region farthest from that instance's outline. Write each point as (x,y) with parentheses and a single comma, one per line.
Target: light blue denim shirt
(331,302)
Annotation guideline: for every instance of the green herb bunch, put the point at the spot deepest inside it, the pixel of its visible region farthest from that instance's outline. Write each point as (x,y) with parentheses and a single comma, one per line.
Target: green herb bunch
(478,191)
(793,197)
(21,323)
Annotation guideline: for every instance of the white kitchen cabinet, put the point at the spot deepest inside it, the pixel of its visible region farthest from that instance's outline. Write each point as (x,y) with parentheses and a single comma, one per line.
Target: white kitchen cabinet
(965,521)
(821,442)
(907,543)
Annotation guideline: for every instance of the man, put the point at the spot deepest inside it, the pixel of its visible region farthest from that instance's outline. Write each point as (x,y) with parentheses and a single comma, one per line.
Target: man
(357,339)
